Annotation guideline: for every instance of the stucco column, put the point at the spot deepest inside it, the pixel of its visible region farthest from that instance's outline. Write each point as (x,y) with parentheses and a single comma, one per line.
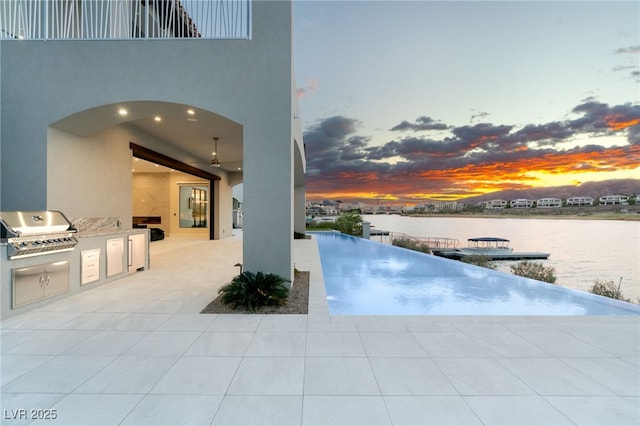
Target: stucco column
(268,202)
(299,210)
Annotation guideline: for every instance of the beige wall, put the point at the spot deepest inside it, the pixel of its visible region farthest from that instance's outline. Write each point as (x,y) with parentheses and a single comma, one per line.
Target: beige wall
(151,198)
(89,177)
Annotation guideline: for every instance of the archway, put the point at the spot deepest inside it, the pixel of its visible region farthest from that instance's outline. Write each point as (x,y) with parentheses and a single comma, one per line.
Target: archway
(99,141)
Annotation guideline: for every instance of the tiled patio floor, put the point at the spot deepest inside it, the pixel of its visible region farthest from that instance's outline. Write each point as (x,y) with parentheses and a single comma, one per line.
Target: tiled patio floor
(136,352)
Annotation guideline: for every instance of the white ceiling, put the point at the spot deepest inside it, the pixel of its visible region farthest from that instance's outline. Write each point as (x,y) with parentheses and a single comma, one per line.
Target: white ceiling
(187,129)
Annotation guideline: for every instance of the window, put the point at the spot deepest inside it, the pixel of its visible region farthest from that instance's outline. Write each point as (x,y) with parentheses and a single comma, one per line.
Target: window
(193,206)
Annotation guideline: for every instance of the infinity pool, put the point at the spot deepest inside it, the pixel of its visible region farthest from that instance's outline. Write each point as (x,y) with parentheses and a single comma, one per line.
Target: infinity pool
(365,277)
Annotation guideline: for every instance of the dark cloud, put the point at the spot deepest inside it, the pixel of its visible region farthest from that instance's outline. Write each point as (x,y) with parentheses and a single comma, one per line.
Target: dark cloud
(634,50)
(600,117)
(339,159)
(479,114)
(422,123)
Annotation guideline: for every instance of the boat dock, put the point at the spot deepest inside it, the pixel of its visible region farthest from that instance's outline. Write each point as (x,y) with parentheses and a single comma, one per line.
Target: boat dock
(459,254)
(491,248)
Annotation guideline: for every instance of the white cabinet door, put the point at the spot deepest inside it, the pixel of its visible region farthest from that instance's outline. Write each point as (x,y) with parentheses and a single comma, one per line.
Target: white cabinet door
(115,260)
(137,251)
(90,266)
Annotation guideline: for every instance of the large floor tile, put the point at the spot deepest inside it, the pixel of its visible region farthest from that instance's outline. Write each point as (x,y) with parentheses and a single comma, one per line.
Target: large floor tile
(235,322)
(516,410)
(260,410)
(49,342)
(481,376)
(562,344)
(410,376)
(198,376)
(220,344)
(506,343)
(142,322)
(344,411)
(97,321)
(187,322)
(277,344)
(282,323)
(550,376)
(392,344)
(323,344)
(174,410)
(339,376)
(597,411)
(95,410)
(61,374)
(128,374)
(613,373)
(107,343)
(164,343)
(14,366)
(450,344)
(430,411)
(268,376)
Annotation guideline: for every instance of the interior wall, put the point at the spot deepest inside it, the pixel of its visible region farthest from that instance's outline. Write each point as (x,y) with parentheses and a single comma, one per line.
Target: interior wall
(89,177)
(224,201)
(150,194)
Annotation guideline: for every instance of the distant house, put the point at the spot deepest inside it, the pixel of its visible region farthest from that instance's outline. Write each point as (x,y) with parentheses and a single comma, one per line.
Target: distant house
(549,203)
(614,199)
(521,203)
(495,204)
(580,201)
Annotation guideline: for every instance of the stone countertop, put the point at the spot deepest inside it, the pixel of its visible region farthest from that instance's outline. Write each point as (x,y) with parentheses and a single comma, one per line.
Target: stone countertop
(109,231)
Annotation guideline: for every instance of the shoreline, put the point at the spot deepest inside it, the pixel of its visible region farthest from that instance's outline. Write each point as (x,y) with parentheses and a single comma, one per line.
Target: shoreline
(633,216)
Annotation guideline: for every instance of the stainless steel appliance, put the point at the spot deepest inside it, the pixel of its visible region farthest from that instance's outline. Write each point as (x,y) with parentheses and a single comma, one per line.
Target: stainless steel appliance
(35,233)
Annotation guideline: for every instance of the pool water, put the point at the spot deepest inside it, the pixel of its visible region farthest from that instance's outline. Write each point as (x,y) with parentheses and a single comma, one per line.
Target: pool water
(365,277)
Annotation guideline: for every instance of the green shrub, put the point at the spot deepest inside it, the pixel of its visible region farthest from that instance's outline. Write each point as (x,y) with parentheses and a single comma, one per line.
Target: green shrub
(255,290)
(479,260)
(350,223)
(536,271)
(608,289)
(410,244)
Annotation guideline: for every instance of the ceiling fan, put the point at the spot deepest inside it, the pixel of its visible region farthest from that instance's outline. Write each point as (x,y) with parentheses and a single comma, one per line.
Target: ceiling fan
(215,161)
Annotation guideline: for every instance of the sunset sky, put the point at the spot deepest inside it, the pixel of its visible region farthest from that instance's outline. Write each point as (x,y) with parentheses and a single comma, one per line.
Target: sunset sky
(407,101)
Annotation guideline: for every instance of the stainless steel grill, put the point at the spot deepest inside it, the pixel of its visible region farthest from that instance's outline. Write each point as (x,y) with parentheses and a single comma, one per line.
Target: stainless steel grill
(34,233)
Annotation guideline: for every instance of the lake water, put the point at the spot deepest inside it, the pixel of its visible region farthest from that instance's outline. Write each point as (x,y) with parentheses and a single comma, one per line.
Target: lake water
(581,250)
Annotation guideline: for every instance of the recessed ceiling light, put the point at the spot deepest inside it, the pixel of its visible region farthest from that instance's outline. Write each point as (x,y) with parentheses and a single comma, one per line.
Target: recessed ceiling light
(122,111)
(191,112)
(157,118)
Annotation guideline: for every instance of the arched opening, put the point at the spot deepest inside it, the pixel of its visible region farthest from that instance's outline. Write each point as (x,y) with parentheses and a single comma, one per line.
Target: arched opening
(102,142)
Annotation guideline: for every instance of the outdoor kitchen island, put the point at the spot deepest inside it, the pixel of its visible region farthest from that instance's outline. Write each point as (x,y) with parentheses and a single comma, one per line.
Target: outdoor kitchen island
(93,253)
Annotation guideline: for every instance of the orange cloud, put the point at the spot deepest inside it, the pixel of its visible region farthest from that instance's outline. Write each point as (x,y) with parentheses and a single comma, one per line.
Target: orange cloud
(614,122)
(474,179)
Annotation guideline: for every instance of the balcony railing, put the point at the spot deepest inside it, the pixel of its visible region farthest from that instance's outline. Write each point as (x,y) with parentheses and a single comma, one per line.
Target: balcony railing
(124,19)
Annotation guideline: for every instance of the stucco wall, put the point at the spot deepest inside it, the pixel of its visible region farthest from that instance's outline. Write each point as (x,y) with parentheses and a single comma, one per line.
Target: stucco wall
(248,81)
(89,177)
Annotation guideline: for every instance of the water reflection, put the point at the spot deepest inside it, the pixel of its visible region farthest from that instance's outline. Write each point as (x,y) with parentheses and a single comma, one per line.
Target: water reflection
(369,278)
